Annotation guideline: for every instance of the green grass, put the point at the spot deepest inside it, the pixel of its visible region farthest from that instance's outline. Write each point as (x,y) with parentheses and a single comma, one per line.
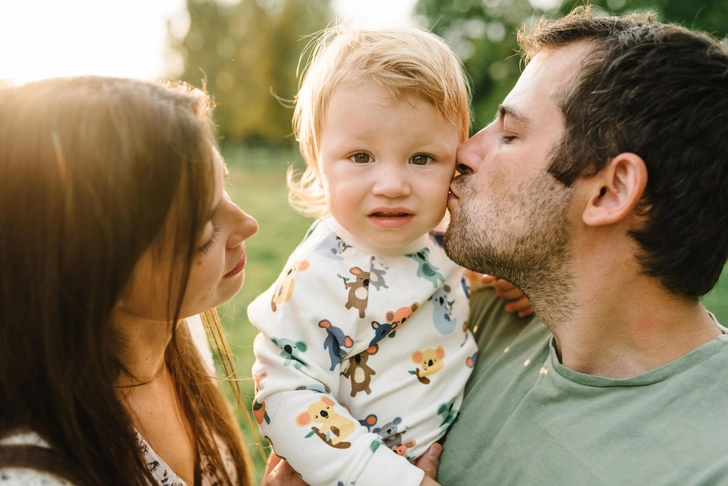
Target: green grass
(257,184)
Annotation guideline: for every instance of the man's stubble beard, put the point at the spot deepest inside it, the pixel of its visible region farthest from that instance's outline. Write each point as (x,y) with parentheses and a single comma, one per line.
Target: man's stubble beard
(523,237)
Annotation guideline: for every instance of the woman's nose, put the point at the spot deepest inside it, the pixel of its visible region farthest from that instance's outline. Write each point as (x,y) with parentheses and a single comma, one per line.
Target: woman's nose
(244,226)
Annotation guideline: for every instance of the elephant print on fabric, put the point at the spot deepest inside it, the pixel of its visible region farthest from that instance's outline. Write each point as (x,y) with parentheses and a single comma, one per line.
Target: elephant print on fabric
(426,269)
(284,288)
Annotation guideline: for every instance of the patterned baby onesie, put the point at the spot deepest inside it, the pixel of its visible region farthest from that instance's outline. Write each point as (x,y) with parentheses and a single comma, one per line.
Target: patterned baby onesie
(362,357)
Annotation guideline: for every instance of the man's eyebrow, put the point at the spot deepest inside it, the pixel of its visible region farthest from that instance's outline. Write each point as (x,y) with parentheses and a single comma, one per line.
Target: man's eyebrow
(519,119)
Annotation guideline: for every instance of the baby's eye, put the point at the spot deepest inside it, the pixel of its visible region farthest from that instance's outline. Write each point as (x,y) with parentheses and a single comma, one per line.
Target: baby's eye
(420,159)
(361,158)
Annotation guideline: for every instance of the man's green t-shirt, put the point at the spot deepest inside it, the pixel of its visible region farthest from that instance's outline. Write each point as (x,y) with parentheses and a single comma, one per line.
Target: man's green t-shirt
(527,419)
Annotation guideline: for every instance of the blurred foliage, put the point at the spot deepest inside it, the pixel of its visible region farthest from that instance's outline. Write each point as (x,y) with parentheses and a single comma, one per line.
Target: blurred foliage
(483,32)
(248,50)
(248,53)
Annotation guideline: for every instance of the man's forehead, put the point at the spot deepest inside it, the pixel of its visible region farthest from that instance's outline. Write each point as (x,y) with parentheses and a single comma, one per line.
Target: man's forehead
(545,80)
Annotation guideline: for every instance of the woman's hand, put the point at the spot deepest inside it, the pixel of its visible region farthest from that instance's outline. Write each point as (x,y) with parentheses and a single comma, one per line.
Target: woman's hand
(279,473)
(428,462)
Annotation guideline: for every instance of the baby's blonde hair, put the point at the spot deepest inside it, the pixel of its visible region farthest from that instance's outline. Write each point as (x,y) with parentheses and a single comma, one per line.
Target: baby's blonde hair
(401,59)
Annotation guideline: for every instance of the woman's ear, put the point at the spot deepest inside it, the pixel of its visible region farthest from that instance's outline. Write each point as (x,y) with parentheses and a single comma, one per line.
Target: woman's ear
(616,190)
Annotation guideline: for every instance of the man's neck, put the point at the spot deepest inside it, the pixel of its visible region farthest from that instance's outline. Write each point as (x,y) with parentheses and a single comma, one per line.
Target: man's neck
(624,327)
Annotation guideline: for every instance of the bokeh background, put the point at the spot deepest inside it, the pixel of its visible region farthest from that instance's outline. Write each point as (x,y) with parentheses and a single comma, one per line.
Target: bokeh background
(246,53)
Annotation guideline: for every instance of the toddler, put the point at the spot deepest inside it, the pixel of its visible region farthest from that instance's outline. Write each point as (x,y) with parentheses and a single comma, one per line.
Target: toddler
(364,351)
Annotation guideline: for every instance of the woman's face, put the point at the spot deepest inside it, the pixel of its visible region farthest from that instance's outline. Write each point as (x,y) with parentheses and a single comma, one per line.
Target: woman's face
(217,270)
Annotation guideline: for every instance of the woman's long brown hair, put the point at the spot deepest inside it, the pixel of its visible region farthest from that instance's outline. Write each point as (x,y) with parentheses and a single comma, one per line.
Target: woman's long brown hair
(90,170)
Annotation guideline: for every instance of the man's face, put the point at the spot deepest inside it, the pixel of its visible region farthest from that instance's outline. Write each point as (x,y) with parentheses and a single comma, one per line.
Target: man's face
(509,217)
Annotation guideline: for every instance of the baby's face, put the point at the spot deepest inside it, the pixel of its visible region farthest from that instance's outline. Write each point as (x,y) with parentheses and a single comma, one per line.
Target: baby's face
(386,164)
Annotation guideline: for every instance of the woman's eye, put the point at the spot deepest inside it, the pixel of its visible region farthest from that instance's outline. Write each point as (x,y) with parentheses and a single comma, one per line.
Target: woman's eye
(420,159)
(215,233)
(507,138)
(361,158)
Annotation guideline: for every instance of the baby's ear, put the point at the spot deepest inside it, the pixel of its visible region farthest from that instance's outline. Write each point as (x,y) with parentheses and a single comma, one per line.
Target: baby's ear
(615,191)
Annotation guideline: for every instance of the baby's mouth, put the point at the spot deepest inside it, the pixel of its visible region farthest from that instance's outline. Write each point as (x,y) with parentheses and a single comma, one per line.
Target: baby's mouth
(389,214)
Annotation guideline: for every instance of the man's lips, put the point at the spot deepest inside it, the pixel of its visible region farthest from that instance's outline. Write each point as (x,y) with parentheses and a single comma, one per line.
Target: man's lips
(238,267)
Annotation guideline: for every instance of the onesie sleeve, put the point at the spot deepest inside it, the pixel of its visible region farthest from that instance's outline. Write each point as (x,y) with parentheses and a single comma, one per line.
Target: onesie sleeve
(309,322)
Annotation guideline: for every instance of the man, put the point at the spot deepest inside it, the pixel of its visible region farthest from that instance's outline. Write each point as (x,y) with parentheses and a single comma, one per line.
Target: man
(600,191)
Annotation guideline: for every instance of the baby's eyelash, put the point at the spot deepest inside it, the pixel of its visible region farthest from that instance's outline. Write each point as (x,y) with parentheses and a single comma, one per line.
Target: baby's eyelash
(215,233)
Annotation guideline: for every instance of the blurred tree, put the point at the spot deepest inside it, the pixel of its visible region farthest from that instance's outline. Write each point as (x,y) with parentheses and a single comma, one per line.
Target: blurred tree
(248,52)
(483,32)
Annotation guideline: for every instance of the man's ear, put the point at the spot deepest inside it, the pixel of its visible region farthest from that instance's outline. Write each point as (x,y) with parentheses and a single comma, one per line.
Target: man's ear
(616,190)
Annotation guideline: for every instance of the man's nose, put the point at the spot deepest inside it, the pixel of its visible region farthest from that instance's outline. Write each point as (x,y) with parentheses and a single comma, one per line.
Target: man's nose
(470,154)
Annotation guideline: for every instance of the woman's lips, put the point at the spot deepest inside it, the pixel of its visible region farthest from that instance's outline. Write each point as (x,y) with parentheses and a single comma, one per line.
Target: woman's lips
(238,268)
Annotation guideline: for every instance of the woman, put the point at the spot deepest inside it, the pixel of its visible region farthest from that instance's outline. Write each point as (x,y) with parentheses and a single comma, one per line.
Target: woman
(114,227)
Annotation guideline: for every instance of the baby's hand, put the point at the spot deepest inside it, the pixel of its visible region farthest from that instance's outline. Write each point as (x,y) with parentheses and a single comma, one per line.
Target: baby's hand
(518,303)
(478,280)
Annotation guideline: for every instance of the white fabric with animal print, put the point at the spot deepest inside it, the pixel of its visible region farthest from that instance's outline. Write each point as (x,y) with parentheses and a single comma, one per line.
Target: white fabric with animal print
(362,358)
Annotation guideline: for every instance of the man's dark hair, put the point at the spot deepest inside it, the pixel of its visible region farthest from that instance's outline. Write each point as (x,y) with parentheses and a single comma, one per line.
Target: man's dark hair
(659,91)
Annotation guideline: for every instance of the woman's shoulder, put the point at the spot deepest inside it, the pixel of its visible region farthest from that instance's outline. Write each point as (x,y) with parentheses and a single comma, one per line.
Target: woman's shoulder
(17,476)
